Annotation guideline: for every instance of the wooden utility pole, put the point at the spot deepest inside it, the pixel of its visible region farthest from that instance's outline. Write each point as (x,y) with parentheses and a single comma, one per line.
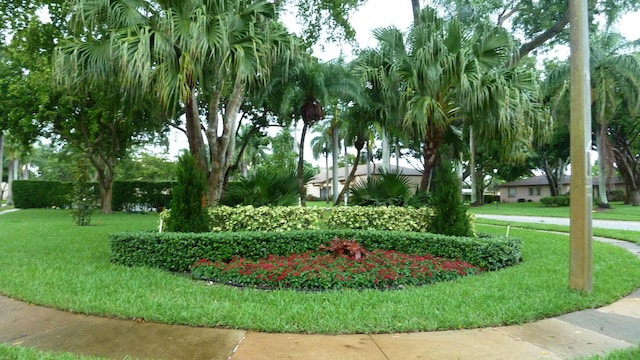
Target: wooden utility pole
(581,256)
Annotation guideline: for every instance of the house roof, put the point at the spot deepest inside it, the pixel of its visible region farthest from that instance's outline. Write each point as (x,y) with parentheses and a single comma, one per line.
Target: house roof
(541,180)
(321,177)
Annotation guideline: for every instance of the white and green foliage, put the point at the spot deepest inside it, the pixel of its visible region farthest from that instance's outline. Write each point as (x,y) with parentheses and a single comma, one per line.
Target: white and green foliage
(264,218)
(392,218)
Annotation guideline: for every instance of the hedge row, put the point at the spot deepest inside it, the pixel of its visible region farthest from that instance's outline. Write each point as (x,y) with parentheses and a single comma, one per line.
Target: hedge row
(286,218)
(178,251)
(555,201)
(127,195)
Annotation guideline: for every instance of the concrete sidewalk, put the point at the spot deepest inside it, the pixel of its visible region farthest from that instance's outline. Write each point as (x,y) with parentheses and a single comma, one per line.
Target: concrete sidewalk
(577,334)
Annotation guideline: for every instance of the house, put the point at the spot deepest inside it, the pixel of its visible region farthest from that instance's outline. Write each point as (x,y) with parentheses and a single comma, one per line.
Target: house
(536,187)
(320,185)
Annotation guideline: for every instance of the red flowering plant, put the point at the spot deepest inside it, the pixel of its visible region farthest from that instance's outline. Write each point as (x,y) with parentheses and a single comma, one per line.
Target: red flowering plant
(346,265)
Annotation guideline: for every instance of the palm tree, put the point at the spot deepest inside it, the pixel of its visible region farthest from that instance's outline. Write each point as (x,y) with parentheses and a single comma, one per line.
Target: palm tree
(439,66)
(321,145)
(612,70)
(197,55)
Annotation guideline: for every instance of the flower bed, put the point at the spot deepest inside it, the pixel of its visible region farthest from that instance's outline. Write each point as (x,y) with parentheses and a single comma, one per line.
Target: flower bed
(334,267)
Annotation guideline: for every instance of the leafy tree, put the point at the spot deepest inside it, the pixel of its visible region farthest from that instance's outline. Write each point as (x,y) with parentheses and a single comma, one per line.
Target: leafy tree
(82,196)
(198,56)
(188,212)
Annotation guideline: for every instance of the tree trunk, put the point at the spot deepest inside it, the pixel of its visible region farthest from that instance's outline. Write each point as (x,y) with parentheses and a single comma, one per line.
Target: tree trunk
(415,8)
(326,179)
(221,148)
(472,167)
(431,157)
(105,174)
(13,164)
(302,188)
(352,174)
(335,142)
(603,169)
(2,189)
(193,125)
(385,151)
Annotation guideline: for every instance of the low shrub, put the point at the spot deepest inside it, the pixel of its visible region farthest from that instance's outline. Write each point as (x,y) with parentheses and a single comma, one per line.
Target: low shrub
(178,251)
(555,201)
(334,270)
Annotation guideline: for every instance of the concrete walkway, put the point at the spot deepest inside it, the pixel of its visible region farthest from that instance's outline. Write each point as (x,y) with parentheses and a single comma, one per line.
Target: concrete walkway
(594,331)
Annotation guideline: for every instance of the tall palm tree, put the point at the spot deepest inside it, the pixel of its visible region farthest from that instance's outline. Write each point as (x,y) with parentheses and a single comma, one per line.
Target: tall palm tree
(612,69)
(321,145)
(440,65)
(197,55)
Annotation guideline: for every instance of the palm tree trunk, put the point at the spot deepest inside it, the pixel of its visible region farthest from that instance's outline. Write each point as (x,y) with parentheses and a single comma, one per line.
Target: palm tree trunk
(349,178)
(302,189)
(335,137)
(1,166)
(431,157)
(326,180)
(472,166)
(385,151)
(602,167)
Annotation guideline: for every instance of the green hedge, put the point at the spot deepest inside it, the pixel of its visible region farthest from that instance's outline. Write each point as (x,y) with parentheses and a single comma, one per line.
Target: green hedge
(178,251)
(28,194)
(555,201)
(128,195)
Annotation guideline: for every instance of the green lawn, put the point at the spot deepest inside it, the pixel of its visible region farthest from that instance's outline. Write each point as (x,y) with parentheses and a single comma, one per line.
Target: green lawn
(47,260)
(618,211)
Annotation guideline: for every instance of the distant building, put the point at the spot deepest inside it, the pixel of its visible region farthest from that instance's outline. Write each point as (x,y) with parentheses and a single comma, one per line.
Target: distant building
(536,187)
(317,187)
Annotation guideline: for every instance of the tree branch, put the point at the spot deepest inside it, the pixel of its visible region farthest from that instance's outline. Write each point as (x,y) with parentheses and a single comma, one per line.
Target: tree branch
(537,41)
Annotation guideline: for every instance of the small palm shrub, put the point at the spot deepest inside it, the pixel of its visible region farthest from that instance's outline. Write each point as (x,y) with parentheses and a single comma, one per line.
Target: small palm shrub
(268,186)
(187,198)
(386,188)
(449,213)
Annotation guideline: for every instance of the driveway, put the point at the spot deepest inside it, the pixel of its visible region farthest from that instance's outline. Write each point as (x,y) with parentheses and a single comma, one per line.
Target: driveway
(602,224)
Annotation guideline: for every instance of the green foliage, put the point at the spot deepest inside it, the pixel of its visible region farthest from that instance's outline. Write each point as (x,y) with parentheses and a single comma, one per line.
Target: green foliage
(29,194)
(131,195)
(178,251)
(249,218)
(268,186)
(449,213)
(392,218)
(384,189)
(188,198)
(83,194)
(554,201)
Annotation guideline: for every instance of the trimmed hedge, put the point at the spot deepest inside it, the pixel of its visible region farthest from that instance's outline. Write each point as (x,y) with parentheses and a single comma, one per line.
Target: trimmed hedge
(178,251)
(555,201)
(29,194)
(286,218)
(127,195)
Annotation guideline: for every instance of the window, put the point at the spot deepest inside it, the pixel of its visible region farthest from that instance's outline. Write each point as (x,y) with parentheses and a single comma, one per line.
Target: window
(512,192)
(530,191)
(538,191)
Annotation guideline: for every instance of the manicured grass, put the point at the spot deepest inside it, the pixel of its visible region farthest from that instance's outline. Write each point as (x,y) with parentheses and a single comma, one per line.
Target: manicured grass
(630,353)
(8,352)
(47,260)
(618,211)
(626,235)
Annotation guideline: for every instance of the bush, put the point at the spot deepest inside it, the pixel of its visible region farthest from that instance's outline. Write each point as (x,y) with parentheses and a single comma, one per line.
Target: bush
(449,213)
(178,251)
(555,201)
(388,188)
(266,187)
(187,198)
(136,195)
(83,195)
(30,194)
(380,218)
